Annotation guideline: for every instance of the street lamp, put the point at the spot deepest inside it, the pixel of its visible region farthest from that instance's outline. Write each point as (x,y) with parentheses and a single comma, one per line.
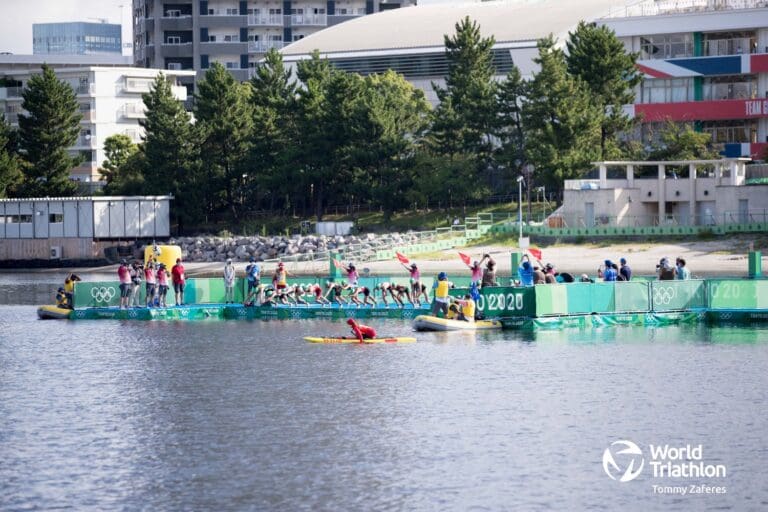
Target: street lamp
(528,171)
(520,205)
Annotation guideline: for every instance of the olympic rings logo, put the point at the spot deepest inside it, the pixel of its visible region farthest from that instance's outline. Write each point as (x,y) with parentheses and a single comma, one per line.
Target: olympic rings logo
(103,293)
(663,295)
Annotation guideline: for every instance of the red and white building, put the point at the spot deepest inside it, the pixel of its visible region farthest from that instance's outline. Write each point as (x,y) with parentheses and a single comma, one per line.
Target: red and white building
(704,61)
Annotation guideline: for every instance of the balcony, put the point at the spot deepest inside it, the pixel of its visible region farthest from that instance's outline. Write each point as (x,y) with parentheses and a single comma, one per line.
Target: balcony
(272,20)
(730,91)
(84,89)
(132,111)
(176,23)
(179,92)
(10,92)
(88,116)
(222,19)
(224,47)
(309,20)
(135,85)
(176,50)
(85,141)
(264,46)
(656,7)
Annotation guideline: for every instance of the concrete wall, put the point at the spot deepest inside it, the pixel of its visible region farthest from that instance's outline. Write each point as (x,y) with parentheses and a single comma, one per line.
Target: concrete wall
(71,248)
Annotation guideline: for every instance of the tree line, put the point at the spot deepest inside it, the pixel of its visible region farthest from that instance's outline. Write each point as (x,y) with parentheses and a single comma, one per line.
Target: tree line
(299,143)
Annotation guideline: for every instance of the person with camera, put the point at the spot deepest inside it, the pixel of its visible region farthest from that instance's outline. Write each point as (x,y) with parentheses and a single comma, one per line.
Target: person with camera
(137,270)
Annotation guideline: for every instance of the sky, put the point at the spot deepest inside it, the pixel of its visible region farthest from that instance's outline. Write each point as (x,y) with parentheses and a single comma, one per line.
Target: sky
(17,17)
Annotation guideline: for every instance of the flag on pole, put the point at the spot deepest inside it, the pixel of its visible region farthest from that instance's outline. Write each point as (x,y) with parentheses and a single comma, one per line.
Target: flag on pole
(466,259)
(536,253)
(402,258)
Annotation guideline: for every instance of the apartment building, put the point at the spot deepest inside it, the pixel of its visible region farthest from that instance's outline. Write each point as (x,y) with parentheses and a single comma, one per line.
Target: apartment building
(704,61)
(192,34)
(109,99)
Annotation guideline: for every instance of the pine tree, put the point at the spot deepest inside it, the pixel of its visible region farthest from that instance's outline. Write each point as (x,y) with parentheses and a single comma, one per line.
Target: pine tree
(599,58)
(679,141)
(46,132)
(223,127)
(561,123)
(465,118)
(387,124)
(10,172)
(170,163)
(511,136)
(273,132)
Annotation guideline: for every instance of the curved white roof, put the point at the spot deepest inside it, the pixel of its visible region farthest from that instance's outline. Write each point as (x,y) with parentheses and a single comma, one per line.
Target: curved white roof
(425,25)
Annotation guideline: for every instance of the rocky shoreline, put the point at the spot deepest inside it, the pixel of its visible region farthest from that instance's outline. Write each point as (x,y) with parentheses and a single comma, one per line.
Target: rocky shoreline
(295,248)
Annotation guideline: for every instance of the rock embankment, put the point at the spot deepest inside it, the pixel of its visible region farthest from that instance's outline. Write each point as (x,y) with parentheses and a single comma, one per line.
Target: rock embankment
(296,248)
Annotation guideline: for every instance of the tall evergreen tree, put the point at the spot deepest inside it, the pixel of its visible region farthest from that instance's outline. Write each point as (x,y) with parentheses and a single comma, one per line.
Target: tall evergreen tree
(273,132)
(561,123)
(599,59)
(465,118)
(10,172)
(324,109)
(46,132)
(223,126)
(510,134)
(388,121)
(170,156)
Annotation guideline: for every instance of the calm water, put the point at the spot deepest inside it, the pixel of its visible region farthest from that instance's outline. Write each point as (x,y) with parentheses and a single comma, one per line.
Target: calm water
(237,415)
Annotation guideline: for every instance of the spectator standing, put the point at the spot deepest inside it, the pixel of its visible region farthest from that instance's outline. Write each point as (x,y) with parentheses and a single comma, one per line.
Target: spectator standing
(179,280)
(609,274)
(124,276)
(681,272)
(625,270)
(229,282)
(525,272)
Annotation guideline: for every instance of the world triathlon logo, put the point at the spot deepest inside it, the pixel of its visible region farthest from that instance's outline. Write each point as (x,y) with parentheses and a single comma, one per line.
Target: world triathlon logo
(623,461)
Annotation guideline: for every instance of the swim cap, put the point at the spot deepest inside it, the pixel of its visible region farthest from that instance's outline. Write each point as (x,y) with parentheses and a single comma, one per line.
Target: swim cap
(608,263)
(61,289)
(442,275)
(526,265)
(252,259)
(123,261)
(622,261)
(350,321)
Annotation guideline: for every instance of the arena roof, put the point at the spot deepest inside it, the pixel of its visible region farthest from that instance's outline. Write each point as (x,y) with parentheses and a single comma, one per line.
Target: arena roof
(424,26)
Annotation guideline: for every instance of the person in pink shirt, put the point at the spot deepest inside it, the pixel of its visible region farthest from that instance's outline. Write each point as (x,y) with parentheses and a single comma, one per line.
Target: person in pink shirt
(477,271)
(352,275)
(124,276)
(413,270)
(177,275)
(150,278)
(162,285)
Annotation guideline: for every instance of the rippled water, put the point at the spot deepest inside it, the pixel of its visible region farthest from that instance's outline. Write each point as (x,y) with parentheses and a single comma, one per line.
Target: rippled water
(109,415)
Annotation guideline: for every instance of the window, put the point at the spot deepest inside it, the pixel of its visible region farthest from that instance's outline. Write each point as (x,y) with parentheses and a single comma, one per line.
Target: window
(666,90)
(211,39)
(232,39)
(173,40)
(342,12)
(297,37)
(666,46)
(231,65)
(55,218)
(172,13)
(730,88)
(174,65)
(24,218)
(232,11)
(729,132)
(253,37)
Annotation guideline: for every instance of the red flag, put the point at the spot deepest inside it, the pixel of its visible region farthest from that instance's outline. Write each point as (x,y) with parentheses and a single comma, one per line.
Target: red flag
(402,258)
(339,265)
(466,259)
(536,253)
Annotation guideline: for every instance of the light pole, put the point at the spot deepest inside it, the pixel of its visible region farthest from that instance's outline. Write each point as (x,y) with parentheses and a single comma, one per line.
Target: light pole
(520,205)
(528,170)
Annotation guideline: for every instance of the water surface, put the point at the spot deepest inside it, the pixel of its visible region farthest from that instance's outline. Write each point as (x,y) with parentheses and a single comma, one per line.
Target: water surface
(226,415)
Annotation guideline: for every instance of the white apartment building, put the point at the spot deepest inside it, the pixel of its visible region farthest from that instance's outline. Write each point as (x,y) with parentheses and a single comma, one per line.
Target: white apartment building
(109,99)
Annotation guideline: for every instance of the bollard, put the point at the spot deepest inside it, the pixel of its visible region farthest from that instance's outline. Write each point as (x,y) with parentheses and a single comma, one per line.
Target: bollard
(755,264)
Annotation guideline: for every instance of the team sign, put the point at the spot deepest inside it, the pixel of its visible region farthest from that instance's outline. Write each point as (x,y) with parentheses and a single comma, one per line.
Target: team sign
(756,107)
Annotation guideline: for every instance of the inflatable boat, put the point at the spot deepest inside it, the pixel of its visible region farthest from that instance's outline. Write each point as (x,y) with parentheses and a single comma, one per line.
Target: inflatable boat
(433,323)
(53,313)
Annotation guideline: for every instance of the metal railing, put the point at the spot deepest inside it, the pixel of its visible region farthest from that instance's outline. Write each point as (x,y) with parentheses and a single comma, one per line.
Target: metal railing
(309,19)
(636,221)
(735,46)
(264,46)
(653,8)
(265,19)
